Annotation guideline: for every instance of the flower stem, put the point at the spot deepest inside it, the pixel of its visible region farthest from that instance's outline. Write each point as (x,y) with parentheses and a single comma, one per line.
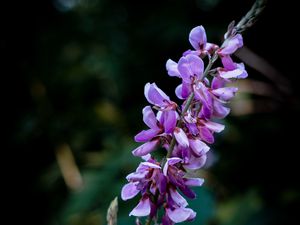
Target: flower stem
(149,220)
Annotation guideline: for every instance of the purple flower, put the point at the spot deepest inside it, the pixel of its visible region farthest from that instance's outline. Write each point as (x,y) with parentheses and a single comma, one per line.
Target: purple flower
(230,45)
(161,126)
(157,97)
(198,40)
(186,136)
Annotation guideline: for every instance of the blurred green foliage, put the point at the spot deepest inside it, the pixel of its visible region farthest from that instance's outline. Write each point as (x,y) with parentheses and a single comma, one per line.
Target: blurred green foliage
(81,69)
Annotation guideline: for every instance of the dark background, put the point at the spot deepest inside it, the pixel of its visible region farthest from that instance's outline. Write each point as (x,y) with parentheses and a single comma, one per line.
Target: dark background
(74,73)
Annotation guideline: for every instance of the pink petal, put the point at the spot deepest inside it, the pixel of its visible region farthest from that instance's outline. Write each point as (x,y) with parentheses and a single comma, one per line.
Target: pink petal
(231,45)
(194,181)
(129,191)
(142,209)
(146,135)
(190,66)
(169,121)
(179,214)
(227,62)
(197,37)
(170,161)
(171,67)
(218,82)
(206,135)
(149,117)
(225,93)
(178,199)
(146,148)
(181,137)
(150,165)
(220,111)
(198,147)
(155,95)
(195,163)
(237,73)
(216,127)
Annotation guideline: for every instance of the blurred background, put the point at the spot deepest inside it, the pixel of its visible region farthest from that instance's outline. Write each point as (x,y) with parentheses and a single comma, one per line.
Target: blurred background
(74,73)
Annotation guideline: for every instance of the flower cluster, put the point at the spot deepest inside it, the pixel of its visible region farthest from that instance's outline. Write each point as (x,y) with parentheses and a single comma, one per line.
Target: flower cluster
(184,131)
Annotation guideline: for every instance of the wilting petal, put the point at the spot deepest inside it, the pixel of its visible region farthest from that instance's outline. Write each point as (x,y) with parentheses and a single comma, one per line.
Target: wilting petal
(197,37)
(171,67)
(129,191)
(220,111)
(169,120)
(177,198)
(194,181)
(198,147)
(190,66)
(146,148)
(149,117)
(216,127)
(206,135)
(155,95)
(179,214)
(231,45)
(142,209)
(225,93)
(146,135)
(181,137)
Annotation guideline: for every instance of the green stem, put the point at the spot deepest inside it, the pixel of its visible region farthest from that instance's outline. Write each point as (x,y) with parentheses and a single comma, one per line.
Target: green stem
(149,220)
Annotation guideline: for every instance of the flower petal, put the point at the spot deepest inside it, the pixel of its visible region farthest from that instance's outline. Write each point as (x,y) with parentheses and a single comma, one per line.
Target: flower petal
(198,147)
(155,95)
(177,198)
(225,93)
(149,118)
(146,135)
(190,66)
(228,62)
(142,209)
(146,148)
(195,163)
(169,121)
(198,38)
(171,67)
(218,82)
(220,111)
(150,165)
(170,161)
(206,135)
(231,45)
(194,181)
(129,191)
(213,126)
(237,73)
(181,137)
(179,214)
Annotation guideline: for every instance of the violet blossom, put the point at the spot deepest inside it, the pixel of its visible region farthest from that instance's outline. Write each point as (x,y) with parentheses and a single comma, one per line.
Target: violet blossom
(185,131)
